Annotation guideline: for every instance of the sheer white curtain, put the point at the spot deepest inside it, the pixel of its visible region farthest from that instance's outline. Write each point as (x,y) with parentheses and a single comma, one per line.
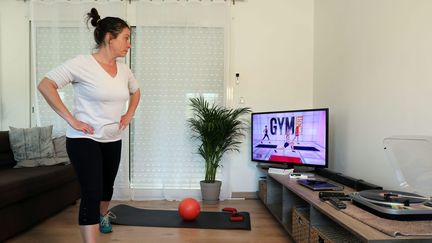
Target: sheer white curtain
(179,51)
(59,32)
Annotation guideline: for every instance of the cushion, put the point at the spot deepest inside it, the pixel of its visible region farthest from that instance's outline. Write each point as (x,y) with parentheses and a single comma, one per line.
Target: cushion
(60,156)
(60,146)
(41,162)
(31,143)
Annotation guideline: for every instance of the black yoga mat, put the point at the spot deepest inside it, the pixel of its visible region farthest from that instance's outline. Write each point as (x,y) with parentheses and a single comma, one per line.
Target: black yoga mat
(306,148)
(128,215)
(266,146)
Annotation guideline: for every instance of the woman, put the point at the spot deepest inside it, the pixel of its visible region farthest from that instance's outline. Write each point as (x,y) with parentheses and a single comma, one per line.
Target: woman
(102,87)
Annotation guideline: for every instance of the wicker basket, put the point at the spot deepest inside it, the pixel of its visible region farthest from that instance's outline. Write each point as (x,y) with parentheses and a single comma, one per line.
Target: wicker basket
(262,190)
(331,234)
(300,225)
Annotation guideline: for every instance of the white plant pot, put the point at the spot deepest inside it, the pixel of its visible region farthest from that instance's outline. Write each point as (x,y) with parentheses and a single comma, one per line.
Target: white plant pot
(210,192)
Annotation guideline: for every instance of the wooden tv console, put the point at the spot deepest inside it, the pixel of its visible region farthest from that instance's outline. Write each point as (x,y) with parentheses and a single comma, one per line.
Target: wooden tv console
(308,219)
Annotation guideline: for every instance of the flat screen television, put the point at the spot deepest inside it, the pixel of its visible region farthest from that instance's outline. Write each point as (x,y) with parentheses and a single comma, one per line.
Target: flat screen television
(291,138)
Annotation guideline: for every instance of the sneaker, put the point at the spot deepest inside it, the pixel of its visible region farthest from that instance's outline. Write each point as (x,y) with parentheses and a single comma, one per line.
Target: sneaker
(104,223)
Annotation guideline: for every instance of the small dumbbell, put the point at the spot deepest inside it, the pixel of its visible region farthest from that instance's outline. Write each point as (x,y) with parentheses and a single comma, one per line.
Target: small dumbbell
(235,217)
(231,210)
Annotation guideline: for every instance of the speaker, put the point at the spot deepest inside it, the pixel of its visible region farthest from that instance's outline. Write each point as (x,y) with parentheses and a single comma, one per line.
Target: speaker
(357,184)
(364,185)
(337,177)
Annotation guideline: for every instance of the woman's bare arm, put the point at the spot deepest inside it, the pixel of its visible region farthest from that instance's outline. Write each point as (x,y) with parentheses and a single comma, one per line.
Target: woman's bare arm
(48,89)
(133,104)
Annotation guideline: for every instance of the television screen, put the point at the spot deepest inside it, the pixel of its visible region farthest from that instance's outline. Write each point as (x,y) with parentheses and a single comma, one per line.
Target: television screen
(297,137)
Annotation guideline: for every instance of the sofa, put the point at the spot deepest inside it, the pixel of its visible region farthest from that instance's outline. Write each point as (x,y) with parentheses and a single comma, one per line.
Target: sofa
(30,195)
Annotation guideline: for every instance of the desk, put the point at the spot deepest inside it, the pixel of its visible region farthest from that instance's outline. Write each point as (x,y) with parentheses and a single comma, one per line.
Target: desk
(284,196)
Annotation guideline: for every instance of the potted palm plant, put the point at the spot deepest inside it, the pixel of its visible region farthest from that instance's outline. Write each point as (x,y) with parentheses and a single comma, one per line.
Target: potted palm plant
(219,129)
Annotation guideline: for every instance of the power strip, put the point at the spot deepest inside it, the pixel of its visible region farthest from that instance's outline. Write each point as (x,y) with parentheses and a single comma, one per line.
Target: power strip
(280,171)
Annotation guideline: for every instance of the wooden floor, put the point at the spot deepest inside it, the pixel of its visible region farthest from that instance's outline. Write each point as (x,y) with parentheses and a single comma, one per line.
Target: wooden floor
(63,227)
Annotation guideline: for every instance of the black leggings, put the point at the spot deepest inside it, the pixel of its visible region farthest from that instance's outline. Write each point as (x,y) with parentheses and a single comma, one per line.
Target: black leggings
(96,165)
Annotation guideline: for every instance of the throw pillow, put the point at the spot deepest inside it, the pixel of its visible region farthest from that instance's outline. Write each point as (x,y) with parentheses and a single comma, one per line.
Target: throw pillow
(60,156)
(42,162)
(60,146)
(31,143)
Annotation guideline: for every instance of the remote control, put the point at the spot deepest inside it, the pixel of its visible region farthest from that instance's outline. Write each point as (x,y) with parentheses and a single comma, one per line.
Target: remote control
(340,195)
(331,194)
(337,203)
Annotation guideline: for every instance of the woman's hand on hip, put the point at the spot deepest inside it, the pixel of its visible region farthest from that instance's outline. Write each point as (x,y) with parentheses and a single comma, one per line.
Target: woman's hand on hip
(82,126)
(125,120)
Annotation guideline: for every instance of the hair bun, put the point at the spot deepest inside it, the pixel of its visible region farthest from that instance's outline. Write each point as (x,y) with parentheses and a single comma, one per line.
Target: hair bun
(94,17)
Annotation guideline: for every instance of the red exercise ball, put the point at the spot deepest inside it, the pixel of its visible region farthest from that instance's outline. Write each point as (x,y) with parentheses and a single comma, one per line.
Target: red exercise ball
(189,209)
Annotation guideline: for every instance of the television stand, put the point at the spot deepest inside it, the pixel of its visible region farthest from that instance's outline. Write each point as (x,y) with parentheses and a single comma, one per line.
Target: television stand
(306,218)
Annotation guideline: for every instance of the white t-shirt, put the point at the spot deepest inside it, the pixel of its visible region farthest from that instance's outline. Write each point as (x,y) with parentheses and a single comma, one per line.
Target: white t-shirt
(99,99)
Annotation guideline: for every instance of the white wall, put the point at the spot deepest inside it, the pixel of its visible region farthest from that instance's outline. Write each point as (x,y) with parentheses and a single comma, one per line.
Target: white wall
(14,65)
(373,69)
(271,48)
